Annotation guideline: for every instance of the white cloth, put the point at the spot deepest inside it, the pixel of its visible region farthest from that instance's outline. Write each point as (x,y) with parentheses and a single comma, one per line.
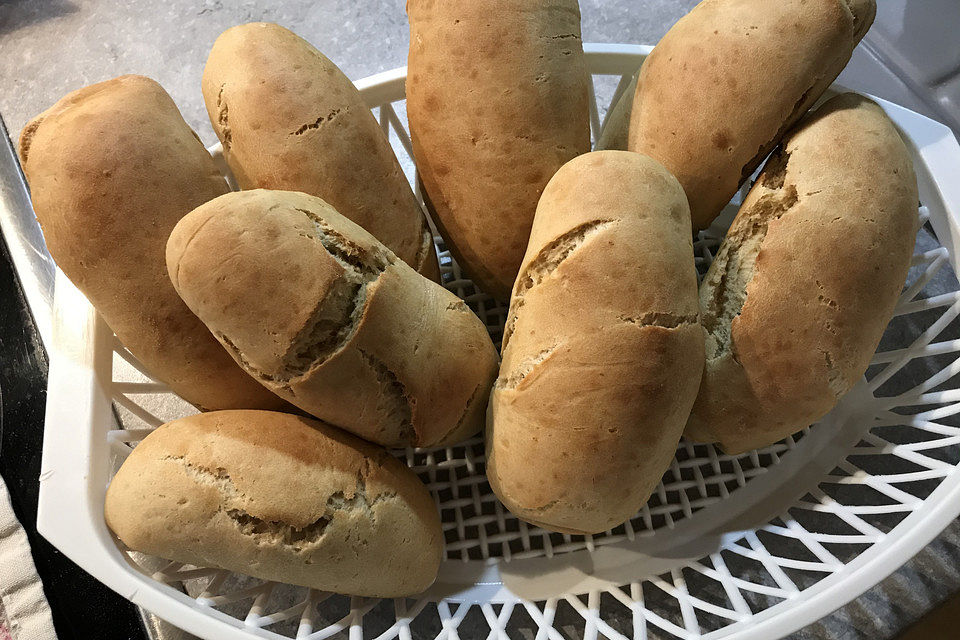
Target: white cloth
(24,611)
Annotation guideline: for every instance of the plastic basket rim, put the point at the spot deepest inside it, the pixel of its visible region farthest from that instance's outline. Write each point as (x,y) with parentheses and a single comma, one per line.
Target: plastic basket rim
(68,495)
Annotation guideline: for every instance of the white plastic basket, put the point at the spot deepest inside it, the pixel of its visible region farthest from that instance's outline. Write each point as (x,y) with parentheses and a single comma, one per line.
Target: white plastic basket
(748,546)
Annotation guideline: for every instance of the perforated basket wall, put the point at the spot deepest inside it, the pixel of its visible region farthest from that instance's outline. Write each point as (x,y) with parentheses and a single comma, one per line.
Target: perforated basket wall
(753,545)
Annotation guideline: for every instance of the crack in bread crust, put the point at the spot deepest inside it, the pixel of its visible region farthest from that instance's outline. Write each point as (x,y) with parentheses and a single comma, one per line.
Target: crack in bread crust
(223,119)
(733,268)
(217,477)
(278,531)
(336,317)
(426,246)
(26,138)
(861,21)
(541,508)
(316,124)
(249,368)
(834,375)
(527,367)
(346,251)
(664,320)
(797,111)
(459,305)
(547,261)
(396,403)
(463,414)
(332,325)
(775,173)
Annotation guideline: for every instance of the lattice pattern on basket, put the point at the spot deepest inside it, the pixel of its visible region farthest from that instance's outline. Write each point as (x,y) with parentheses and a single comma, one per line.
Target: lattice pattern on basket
(904,441)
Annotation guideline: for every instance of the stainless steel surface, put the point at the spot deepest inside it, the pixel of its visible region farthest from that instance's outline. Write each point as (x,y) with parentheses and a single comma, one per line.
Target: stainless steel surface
(156,628)
(24,240)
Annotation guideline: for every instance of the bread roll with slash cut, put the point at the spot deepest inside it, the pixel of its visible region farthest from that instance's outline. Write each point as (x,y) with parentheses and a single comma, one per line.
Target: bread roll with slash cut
(603,349)
(289,119)
(278,497)
(807,278)
(112,168)
(497,101)
(723,85)
(328,318)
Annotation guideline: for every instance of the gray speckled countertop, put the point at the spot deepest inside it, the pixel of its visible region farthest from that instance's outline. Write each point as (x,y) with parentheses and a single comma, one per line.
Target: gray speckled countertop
(50,47)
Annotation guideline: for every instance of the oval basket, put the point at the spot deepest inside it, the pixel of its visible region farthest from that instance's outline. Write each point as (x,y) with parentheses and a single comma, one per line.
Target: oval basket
(747,546)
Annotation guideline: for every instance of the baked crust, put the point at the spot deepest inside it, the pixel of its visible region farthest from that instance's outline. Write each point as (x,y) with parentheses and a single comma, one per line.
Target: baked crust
(324,315)
(289,119)
(278,497)
(112,168)
(603,351)
(497,102)
(723,85)
(806,280)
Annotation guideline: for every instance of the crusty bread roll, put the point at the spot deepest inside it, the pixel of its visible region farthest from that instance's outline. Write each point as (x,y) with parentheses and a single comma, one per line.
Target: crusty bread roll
(327,317)
(724,84)
(289,119)
(615,134)
(807,278)
(112,168)
(497,102)
(603,351)
(278,497)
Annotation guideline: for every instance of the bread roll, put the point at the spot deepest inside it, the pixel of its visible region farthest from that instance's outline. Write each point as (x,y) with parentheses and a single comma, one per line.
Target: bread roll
(289,119)
(616,129)
(724,84)
(112,168)
(327,317)
(807,278)
(603,351)
(278,497)
(497,102)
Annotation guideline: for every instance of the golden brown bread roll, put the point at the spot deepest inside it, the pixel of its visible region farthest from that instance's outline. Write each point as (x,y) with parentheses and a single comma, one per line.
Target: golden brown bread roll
(289,119)
(724,84)
(497,102)
(806,280)
(112,168)
(603,351)
(328,318)
(278,497)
